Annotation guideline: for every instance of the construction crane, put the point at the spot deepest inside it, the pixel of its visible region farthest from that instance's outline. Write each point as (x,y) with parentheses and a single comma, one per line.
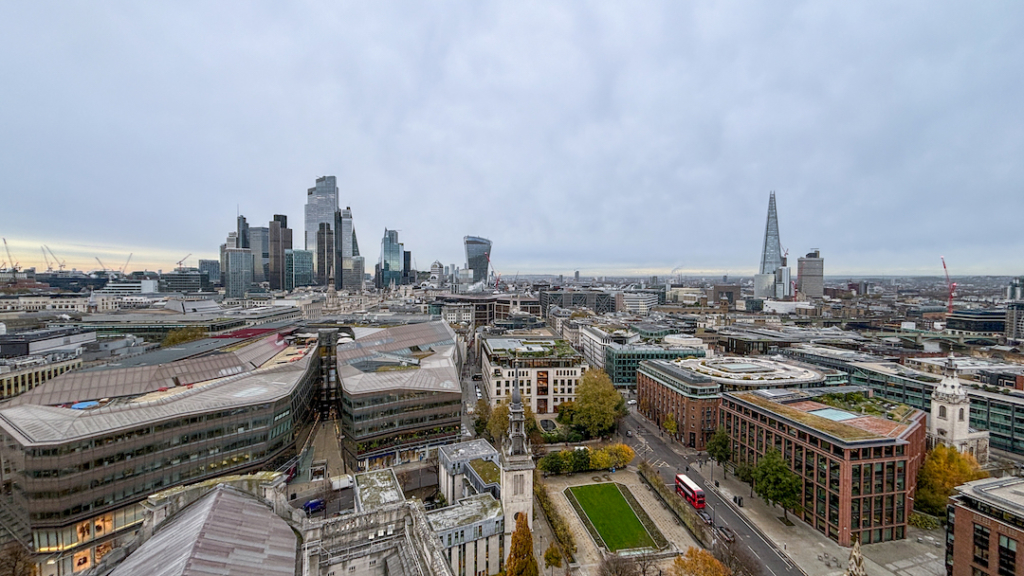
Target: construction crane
(60,263)
(125,267)
(14,265)
(103,267)
(181,263)
(49,267)
(950,285)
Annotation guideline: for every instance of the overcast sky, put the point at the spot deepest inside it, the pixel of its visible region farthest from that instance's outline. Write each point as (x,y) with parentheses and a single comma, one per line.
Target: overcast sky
(621,137)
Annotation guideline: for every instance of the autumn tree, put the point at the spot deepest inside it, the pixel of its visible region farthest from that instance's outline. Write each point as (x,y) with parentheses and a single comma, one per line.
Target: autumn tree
(698,562)
(183,335)
(497,423)
(521,561)
(621,454)
(16,560)
(943,470)
(483,416)
(552,557)
(719,447)
(776,483)
(600,460)
(598,404)
(669,424)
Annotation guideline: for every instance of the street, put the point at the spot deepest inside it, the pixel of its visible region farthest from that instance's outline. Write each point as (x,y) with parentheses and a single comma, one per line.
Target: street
(673,459)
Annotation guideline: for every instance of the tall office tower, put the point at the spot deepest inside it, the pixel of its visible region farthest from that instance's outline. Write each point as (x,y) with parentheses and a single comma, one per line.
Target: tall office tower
(576,276)
(242,235)
(321,204)
(238,274)
(390,266)
(408,274)
(765,282)
(1015,321)
(212,269)
(280,240)
(259,243)
(324,253)
(478,252)
(1015,291)
(298,269)
(349,265)
(810,275)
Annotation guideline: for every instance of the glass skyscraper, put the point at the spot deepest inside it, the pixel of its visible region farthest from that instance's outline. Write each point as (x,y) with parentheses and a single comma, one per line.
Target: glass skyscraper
(349,266)
(391,259)
(321,204)
(478,251)
(298,268)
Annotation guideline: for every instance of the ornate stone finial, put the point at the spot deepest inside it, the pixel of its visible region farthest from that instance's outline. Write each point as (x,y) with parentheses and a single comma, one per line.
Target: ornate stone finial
(855,565)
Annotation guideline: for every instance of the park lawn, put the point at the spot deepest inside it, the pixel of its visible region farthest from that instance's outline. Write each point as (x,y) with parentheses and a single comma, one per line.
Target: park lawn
(611,515)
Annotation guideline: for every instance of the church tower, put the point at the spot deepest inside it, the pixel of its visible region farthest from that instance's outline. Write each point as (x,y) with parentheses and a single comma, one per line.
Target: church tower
(516,467)
(949,421)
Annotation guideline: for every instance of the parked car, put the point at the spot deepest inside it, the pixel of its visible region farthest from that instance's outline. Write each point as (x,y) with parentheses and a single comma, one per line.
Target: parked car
(726,534)
(314,505)
(704,516)
(629,433)
(478,377)
(631,402)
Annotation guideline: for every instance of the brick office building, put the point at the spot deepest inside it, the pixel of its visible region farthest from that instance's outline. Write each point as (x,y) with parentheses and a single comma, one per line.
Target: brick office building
(666,387)
(987,516)
(859,471)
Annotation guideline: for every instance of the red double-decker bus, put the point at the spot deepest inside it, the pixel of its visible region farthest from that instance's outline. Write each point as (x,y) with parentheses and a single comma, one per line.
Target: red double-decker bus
(689,490)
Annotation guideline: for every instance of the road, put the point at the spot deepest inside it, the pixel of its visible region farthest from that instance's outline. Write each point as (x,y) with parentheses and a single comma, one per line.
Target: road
(673,459)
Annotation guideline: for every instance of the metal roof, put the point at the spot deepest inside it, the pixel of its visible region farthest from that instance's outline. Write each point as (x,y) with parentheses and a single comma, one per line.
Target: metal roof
(224,533)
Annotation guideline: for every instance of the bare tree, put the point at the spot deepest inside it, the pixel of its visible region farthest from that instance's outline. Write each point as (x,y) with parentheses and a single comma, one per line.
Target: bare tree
(15,560)
(738,558)
(645,561)
(617,566)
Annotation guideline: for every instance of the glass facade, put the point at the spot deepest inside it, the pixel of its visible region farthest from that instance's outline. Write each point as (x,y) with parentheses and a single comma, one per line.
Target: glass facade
(298,269)
(478,251)
(321,204)
(238,275)
(391,260)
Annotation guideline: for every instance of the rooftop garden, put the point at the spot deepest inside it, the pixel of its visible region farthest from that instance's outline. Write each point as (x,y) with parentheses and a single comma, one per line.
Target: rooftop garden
(860,404)
(487,470)
(830,427)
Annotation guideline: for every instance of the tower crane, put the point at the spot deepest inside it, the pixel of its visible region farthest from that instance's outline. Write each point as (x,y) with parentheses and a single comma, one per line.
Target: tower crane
(14,265)
(125,267)
(60,263)
(181,263)
(950,285)
(49,267)
(103,266)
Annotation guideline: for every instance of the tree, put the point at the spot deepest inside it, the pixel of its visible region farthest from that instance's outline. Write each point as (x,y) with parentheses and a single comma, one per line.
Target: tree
(552,557)
(944,469)
(719,446)
(621,454)
(15,560)
(745,472)
(645,560)
(552,463)
(774,482)
(566,412)
(669,424)
(698,562)
(497,424)
(532,428)
(598,404)
(738,559)
(521,561)
(483,414)
(580,460)
(183,335)
(617,566)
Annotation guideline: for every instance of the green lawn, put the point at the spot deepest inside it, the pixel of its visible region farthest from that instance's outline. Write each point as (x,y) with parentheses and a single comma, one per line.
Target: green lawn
(611,515)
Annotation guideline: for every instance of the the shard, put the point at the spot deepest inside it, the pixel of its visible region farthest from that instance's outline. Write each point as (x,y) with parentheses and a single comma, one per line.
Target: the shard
(771,254)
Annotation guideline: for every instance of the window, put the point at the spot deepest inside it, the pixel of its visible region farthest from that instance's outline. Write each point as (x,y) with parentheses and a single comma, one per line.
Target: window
(961,414)
(942,412)
(981,543)
(1007,556)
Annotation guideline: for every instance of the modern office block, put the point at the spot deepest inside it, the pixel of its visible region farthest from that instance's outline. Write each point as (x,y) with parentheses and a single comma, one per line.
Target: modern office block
(391,260)
(298,269)
(238,275)
(321,204)
(280,240)
(478,253)
(810,275)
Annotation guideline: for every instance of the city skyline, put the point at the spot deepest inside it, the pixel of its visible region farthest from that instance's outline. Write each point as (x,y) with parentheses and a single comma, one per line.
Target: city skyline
(614,140)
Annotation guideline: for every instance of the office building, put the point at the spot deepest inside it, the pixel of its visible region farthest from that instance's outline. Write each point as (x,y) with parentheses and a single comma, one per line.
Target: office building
(280,239)
(638,303)
(408,274)
(242,233)
(598,301)
(391,260)
(19,375)
(621,361)
(1015,321)
(478,257)
(298,269)
(184,280)
(858,472)
(212,270)
(74,488)
(548,373)
(810,275)
(259,243)
(321,204)
(987,516)
(238,274)
(349,264)
(665,387)
(325,254)
(977,322)
(771,255)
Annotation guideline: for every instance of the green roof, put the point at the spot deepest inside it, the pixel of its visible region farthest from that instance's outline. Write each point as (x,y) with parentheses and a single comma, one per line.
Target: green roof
(830,427)
(487,471)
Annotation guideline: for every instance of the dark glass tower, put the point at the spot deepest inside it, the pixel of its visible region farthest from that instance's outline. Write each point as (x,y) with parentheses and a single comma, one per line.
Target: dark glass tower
(478,253)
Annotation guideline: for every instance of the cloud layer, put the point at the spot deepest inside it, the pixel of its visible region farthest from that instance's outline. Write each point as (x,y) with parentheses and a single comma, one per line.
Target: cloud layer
(604,137)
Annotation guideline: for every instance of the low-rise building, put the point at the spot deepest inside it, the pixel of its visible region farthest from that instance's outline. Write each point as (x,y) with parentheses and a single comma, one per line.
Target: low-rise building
(19,375)
(987,516)
(548,370)
(857,456)
(622,360)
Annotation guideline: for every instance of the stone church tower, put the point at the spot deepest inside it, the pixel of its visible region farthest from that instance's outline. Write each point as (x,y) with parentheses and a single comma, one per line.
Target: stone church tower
(950,420)
(516,469)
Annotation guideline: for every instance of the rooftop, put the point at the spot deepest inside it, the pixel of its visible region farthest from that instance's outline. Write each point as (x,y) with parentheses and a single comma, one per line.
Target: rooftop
(377,489)
(468,511)
(1001,493)
(487,471)
(846,413)
(529,347)
(469,450)
(748,371)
